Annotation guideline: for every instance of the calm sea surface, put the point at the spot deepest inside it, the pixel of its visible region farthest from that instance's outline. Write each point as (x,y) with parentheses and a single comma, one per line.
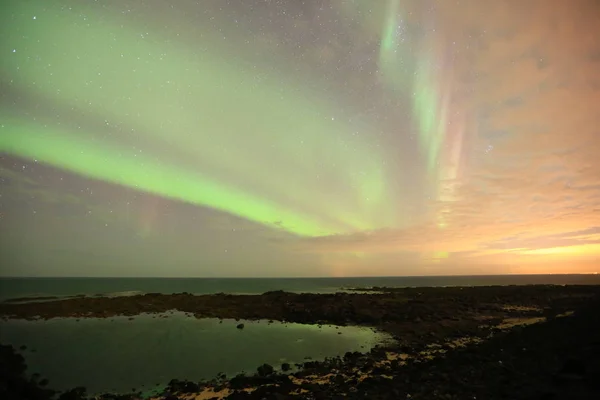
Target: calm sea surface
(25,287)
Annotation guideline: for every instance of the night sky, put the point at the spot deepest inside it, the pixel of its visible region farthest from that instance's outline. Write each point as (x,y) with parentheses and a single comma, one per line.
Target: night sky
(299,138)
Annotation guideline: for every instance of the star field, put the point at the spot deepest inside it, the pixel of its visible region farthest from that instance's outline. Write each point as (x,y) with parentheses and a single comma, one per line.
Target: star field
(298,138)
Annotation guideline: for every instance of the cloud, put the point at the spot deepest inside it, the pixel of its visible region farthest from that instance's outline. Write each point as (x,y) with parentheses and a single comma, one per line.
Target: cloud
(535,102)
(525,77)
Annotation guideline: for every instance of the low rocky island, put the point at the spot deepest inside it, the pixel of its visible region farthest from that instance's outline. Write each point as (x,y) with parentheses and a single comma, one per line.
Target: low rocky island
(496,342)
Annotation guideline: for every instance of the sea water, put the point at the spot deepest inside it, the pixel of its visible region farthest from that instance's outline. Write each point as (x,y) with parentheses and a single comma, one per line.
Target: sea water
(119,355)
(29,287)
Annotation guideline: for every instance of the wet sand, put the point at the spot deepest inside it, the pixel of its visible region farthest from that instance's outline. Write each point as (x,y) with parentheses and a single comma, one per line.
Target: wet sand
(513,342)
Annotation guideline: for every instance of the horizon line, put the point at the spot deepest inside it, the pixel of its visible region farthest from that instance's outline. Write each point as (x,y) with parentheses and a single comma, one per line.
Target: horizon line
(293,277)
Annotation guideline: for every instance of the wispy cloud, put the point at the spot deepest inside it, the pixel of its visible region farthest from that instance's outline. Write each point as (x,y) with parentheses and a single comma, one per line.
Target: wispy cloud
(535,100)
(525,80)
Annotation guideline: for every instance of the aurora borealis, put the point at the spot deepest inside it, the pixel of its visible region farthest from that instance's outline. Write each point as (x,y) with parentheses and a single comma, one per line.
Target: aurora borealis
(267,176)
(287,138)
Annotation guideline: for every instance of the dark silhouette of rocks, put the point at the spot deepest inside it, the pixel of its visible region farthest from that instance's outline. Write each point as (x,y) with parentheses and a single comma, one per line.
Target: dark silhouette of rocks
(78,393)
(240,326)
(183,386)
(265,370)
(558,358)
(400,308)
(14,383)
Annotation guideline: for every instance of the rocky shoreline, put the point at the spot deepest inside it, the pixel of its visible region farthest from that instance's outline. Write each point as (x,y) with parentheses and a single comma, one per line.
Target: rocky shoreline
(496,342)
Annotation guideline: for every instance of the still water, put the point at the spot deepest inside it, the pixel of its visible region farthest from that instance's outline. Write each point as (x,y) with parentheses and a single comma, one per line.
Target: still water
(11,288)
(118,354)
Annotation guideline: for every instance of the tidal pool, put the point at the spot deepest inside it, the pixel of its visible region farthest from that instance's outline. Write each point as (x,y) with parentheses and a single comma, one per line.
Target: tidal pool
(119,355)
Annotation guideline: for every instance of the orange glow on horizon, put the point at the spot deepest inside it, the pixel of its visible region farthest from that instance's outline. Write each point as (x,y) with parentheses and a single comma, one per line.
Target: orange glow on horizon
(577,250)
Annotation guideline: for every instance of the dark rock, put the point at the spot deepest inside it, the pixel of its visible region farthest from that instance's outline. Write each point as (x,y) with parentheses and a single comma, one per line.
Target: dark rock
(265,370)
(444,314)
(240,326)
(573,367)
(14,384)
(177,386)
(110,396)
(78,393)
(240,381)
(239,395)
(311,387)
(285,367)
(275,293)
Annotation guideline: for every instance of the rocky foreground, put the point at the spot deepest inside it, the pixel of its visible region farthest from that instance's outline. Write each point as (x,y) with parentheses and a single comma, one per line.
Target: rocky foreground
(513,342)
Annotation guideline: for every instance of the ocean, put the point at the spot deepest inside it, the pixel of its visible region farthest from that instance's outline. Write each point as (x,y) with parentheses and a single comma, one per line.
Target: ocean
(37,287)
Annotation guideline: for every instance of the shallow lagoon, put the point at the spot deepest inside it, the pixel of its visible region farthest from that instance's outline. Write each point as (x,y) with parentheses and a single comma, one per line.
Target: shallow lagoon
(118,354)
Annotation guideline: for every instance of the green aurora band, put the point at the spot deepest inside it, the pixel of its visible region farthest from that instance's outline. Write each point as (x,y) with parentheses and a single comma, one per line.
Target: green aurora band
(205,131)
(406,74)
(429,114)
(417,77)
(429,100)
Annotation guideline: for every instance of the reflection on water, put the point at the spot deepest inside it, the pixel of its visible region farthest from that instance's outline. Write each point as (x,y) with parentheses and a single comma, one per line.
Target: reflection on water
(118,354)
